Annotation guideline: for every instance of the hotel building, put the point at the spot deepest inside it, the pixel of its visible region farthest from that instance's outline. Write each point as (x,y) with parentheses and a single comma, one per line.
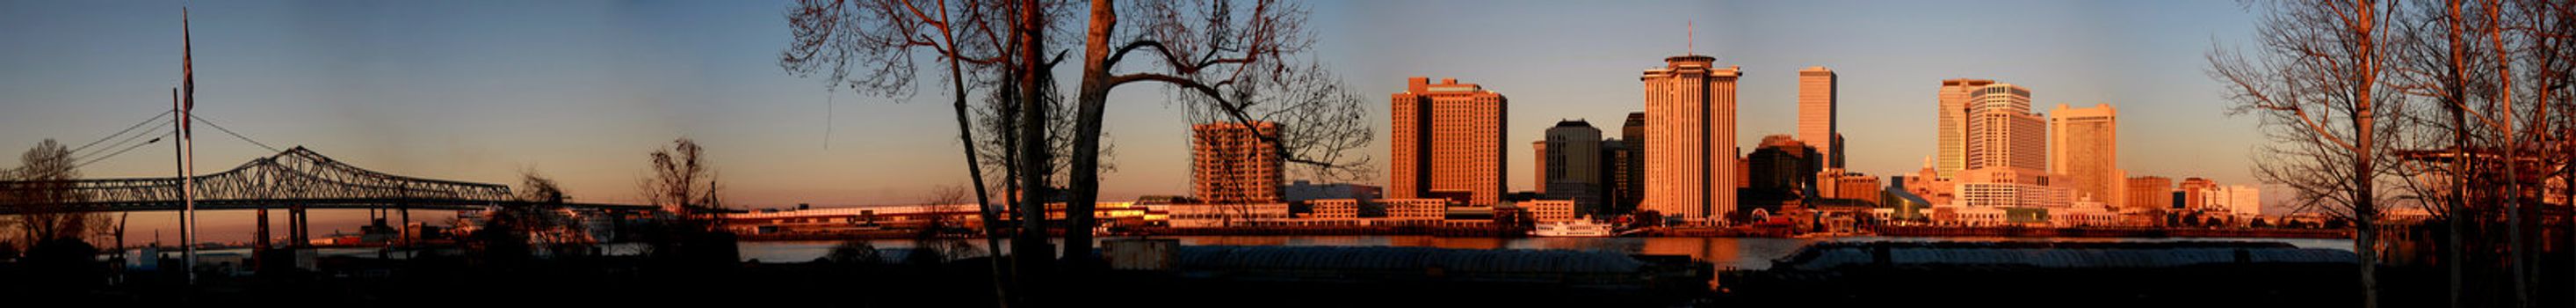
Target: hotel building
(1448,142)
(2084,145)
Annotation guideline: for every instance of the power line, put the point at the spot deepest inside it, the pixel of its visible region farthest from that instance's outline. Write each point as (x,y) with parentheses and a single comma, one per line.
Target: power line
(128,139)
(235,135)
(155,117)
(156,139)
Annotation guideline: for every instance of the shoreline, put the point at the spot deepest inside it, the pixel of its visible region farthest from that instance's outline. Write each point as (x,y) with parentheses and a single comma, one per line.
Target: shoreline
(1897,231)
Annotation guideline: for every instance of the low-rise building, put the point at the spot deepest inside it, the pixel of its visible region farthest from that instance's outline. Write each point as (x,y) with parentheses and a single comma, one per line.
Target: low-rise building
(1335,209)
(1550,210)
(1228,215)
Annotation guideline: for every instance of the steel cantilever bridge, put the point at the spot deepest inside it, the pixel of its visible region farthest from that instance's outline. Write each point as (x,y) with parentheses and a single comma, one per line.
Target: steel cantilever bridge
(295,178)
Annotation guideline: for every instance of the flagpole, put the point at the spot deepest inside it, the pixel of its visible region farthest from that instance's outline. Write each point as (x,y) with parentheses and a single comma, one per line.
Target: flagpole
(187,148)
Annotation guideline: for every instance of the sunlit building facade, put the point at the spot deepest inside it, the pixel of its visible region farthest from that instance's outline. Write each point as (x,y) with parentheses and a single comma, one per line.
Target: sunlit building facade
(1232,163)
(1447,142)
(2195,193)
(1817,114)
(2002,132)
(1953,106)
(1691,163)
(2151,193)
(2084,145)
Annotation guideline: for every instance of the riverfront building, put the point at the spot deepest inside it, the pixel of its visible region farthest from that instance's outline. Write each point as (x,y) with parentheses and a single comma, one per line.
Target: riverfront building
(1782,164)
(1691,163)
(2150,193)
(1234,163)
(2084,145)
(1447,142)
(1835,183)
(2195,193)
(1301,190)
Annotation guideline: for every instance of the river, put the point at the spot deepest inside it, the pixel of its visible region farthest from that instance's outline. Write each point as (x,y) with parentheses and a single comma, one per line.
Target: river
(1737,252)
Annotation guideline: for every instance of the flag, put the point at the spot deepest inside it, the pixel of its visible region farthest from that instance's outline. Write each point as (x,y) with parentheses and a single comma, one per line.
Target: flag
(187,63)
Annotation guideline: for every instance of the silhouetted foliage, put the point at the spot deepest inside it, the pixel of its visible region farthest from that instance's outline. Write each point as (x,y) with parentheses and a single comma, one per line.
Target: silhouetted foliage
(62,265)
(689,232)
(41,190)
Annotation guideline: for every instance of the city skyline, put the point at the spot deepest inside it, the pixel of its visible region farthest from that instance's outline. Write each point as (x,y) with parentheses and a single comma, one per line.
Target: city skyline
(339,79)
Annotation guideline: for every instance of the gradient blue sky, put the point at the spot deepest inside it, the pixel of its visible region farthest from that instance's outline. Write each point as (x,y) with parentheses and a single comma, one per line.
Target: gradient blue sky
(580,90)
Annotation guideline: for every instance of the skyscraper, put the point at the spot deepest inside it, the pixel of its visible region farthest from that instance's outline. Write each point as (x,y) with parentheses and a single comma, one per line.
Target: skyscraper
(1816,115)
(2001,130)
(1618,173)
(1690,130)
(2084,145)
(1448,142)
(1570,164)
(1953,97)
(1633,185)
(1231,164)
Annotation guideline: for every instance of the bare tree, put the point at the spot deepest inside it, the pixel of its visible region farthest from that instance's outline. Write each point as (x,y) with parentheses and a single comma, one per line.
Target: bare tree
(43,193)
(2315,81)
(881,38)
(933,244)
(1199,48)
(685,185)
(2497,70)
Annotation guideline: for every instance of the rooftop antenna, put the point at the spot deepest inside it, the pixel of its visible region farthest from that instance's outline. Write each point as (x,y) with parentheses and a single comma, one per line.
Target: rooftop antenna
(1690,31)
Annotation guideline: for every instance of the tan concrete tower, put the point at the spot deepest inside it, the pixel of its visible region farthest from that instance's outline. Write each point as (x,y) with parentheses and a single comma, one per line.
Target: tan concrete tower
(1691,166)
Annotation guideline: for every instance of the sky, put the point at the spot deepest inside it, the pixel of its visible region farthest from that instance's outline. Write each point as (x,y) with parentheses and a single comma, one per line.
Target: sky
(480,91)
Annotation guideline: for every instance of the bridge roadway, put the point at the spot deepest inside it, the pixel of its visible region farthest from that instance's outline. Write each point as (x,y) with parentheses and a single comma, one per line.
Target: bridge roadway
(295,180)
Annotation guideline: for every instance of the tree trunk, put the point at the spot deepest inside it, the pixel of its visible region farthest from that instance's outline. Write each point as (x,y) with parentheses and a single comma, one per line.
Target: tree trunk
(1086,141)
(1030,250)
(975,172)
(2365,213)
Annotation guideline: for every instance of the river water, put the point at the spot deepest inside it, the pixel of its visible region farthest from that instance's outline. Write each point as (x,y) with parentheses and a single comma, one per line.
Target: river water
(1745,253)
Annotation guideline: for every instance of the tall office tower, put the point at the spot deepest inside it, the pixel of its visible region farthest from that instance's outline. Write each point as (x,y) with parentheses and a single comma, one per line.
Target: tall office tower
(1617,174)
(2150,193)
(1691,167)
(2002,132)
(1633,134)
(2195,193)
(2084,145)
(1448,142)
(1953,97)
(1570,164)
(1816,115)
(1231,164)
